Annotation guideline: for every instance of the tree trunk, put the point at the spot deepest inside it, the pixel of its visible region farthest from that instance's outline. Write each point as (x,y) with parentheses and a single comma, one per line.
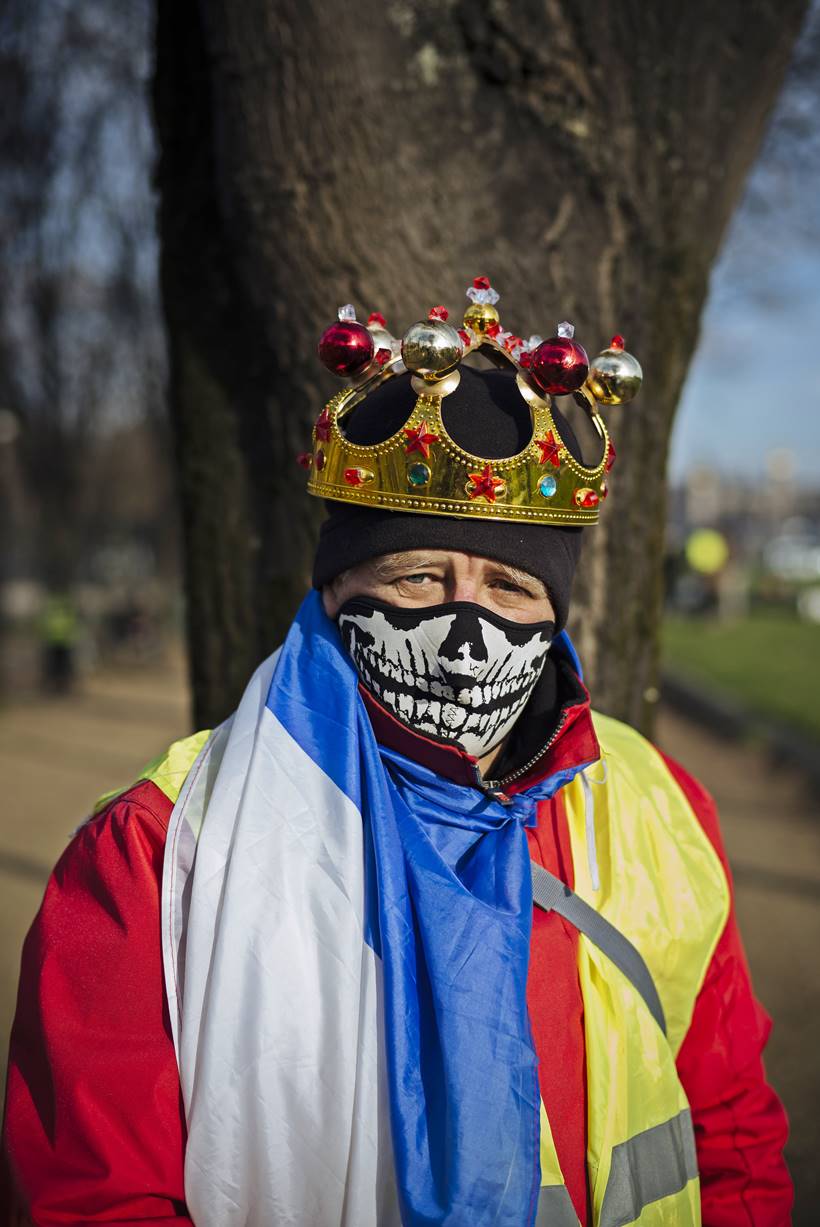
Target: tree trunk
(586,156)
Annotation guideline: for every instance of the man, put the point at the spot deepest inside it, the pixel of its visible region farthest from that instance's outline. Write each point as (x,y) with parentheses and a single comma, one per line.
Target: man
(413,937)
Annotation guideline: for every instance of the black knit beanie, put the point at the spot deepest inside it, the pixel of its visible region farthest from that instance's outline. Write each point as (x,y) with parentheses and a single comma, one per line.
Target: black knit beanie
(487,416)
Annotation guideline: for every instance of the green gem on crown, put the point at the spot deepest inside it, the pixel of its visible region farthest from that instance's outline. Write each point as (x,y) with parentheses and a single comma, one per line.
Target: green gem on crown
(418,474)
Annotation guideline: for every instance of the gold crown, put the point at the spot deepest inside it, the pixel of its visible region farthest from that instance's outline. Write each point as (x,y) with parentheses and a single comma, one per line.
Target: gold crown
(420,469)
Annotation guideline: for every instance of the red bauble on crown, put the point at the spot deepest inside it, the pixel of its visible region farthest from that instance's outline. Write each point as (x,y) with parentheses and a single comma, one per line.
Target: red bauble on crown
(559,365)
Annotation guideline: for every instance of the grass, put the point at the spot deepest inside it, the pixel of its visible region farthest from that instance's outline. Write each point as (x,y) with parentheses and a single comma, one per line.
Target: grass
(769,663)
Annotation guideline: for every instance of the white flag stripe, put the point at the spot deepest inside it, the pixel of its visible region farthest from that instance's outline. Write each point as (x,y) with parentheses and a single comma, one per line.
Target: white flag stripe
(278,1038)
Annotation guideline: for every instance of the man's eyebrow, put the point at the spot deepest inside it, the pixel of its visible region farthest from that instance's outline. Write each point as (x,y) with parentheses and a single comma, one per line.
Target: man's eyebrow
(522,578)
(391,564)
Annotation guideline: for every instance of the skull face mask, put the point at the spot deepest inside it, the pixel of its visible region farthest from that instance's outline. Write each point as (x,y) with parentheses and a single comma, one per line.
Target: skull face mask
(456,672)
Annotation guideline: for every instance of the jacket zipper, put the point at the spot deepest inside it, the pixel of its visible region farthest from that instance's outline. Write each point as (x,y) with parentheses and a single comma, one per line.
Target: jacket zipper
(496,787)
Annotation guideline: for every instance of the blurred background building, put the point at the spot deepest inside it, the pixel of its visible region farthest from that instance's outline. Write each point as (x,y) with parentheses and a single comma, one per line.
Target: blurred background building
(91,595)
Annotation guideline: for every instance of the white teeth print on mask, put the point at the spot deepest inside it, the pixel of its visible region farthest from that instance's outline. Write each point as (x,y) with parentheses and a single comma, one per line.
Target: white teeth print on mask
(454,672)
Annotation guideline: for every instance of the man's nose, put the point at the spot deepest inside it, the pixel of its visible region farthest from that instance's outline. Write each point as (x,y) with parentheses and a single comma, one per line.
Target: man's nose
(462,588)
(465,638)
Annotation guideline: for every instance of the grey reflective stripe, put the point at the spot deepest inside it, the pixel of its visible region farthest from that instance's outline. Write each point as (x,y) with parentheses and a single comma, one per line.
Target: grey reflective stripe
(551,894)
(555,1208)
(650,1166)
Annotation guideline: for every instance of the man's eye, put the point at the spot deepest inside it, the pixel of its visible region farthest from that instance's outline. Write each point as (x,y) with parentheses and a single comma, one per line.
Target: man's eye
(417,578)
(507,586)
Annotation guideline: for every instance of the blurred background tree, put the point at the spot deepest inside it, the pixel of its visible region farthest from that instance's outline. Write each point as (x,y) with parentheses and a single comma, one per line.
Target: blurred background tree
(586,156)
(87,499)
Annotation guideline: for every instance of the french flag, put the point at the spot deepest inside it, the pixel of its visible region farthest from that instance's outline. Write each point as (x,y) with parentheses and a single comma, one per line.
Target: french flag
(345,940)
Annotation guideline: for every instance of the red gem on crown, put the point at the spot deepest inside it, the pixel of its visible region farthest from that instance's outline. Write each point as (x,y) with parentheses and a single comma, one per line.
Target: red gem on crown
(550,450)
(481,283)
(485,484)
(419,439)
(322,427)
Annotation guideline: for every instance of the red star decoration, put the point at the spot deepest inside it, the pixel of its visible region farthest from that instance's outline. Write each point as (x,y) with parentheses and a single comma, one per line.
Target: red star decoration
(419,439)
(485,484)
(322,427)
(550,450)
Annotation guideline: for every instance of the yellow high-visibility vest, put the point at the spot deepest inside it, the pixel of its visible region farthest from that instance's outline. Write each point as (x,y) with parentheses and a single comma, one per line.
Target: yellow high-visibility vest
(663,888)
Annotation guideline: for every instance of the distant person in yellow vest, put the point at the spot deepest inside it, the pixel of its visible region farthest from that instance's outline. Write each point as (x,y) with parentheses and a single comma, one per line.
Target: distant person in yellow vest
(59,633)
(414,937)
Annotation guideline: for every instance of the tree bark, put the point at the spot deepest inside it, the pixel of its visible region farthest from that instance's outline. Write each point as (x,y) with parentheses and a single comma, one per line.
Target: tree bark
(585,156)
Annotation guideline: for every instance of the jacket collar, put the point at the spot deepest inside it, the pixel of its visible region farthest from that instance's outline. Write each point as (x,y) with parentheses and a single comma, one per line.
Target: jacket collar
(554,736)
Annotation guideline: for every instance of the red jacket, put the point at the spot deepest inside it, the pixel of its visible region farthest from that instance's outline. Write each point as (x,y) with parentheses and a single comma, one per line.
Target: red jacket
(94,1128)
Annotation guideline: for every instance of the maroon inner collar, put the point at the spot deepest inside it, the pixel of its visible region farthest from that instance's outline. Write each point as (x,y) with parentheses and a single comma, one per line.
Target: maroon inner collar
(569,742)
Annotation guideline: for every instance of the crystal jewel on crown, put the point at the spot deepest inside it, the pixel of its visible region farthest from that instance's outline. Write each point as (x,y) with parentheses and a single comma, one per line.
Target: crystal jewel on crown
(420,468)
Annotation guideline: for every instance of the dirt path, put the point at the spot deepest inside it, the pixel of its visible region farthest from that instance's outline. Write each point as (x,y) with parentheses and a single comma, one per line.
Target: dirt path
(772,831)
(57,756)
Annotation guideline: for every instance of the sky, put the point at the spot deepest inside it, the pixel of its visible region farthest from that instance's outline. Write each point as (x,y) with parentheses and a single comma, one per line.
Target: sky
(754,382)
